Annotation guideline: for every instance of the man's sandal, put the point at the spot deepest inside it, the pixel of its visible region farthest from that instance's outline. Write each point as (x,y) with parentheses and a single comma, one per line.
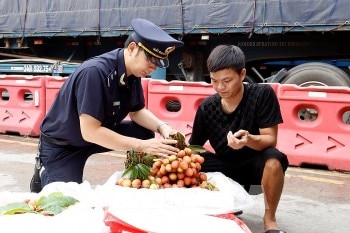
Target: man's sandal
(274,231)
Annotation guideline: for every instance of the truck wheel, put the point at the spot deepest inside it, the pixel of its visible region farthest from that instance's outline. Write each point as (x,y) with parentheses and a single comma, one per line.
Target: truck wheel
(316,74)
(173,106)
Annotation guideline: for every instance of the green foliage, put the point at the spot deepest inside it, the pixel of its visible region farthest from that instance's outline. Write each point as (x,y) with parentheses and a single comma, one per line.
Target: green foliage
(148,159)
(181,141)
(15,208)
(197,149)
(137,171)
(138,164)
(53,204)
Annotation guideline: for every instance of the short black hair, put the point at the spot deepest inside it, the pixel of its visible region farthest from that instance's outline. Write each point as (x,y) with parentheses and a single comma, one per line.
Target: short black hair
(128,41)
(226,57)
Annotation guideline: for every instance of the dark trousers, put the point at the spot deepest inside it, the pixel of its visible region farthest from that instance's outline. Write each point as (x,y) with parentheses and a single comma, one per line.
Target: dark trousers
(66,163)
(244,168)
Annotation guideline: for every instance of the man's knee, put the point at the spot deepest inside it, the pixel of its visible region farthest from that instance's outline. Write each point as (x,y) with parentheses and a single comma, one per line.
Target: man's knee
(275,158)
(273,164)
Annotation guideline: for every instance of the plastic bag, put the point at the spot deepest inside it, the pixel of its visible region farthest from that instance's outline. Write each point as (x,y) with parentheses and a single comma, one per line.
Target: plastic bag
(174,209)
(168,221)
(84,216)
(230,197)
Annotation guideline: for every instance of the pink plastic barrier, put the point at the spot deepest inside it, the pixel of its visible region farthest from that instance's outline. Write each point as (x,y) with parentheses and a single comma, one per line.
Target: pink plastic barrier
(176,102)
(316,126)
(53,85)
(275,86)
(22,104)
(144,82)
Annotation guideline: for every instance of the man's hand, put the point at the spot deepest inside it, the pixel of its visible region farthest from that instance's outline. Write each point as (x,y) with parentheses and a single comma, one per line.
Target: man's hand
(238,139)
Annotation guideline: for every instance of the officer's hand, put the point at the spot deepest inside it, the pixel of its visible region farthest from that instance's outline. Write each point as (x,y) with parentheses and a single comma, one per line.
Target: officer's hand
(166,130)
(160,147)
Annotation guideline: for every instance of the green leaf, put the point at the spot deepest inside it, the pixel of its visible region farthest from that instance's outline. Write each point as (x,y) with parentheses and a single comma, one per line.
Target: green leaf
(128,171)
(63,201)
(15,208)
(55,203)
(180,140)
(197,149)
(148,159)
(137,171)
(180,136)
(52,210)
(211,186)
(143,171)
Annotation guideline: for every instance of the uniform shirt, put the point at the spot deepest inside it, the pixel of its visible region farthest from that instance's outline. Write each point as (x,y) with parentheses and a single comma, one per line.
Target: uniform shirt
(259,108)
(99,88)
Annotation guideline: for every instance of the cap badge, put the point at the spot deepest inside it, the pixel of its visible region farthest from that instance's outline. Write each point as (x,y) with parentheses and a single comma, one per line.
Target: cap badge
(169,50)
(166,52)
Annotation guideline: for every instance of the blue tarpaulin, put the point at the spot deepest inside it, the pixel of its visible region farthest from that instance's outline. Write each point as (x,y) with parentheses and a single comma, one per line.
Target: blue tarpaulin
(31,18)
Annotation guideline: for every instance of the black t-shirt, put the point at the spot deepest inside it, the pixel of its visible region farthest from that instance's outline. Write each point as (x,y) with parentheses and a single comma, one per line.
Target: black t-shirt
(259,108)
(95,89)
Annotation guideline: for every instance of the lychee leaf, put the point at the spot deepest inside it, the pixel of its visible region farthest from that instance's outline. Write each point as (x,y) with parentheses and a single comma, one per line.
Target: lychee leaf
(15,208)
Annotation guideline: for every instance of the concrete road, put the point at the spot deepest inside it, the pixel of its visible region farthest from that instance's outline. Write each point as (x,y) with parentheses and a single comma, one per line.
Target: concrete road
(313,201)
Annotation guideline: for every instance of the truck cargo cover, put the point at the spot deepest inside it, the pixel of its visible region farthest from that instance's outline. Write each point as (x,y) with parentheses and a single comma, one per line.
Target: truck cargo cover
(31,18)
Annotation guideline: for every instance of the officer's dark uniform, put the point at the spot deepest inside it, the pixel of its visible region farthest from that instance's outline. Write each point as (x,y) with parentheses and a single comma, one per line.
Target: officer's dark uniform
(101,89)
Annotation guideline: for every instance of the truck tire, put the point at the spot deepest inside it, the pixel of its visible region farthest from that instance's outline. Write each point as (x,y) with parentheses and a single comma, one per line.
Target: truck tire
(316,74)
(173,106)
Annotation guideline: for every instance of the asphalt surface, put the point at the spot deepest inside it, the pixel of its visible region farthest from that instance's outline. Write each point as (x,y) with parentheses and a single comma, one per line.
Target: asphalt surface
(313,200)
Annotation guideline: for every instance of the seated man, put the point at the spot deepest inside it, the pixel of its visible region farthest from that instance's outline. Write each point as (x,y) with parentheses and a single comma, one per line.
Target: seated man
(241,123)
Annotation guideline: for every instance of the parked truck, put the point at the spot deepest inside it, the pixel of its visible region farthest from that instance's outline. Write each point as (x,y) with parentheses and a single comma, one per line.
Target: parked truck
(305,42)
